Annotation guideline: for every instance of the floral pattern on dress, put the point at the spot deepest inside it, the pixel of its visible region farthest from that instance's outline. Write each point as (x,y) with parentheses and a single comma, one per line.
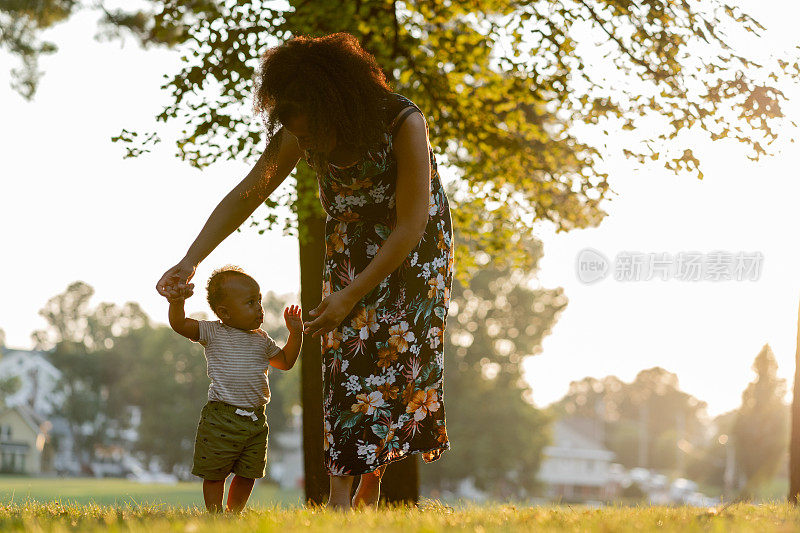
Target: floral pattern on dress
(383,366)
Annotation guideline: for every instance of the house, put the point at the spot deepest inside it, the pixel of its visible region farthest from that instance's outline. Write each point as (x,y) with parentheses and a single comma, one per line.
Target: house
(37,400)
(23,435)
(577,466)
(38,380)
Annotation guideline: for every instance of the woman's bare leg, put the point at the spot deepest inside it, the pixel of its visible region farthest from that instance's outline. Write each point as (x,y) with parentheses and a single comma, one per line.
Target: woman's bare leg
(212,494)
(339,498)
(369,489)
(239,493)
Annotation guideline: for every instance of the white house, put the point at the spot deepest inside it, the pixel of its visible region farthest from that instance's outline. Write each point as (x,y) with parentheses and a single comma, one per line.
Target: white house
(577,467)
(38,380)
(37,399)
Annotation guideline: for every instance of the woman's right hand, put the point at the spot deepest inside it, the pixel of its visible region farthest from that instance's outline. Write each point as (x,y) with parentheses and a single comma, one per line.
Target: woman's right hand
(175,281)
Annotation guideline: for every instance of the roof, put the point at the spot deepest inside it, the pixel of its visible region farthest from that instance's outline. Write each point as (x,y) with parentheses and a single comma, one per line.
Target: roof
(13,360)
(572,439)
(33,420)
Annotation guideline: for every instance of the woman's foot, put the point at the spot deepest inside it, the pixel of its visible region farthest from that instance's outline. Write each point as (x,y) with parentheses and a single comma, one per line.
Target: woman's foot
(369,489)
(339,499)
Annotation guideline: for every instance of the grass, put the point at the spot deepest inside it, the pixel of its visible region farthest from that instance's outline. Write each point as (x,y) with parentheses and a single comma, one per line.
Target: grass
(122,492)
(61,505)
(429,517)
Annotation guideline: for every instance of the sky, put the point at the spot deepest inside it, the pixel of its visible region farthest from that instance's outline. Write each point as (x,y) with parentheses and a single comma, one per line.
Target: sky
(72,209)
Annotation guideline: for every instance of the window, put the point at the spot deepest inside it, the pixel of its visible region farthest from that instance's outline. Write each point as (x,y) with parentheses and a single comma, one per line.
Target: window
(5,433)
(12,462)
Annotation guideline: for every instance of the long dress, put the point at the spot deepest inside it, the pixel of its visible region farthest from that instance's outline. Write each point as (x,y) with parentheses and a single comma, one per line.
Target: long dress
(383,365)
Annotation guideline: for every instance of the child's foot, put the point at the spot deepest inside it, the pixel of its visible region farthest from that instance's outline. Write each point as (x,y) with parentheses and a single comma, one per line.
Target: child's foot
(239,493)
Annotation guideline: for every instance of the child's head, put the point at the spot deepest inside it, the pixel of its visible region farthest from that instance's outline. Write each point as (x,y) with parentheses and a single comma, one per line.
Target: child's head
(235,298)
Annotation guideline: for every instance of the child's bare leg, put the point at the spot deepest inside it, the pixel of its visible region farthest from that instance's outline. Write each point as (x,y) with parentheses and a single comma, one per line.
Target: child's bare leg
(339,498)
(369,488)
(212,494)
(239,492)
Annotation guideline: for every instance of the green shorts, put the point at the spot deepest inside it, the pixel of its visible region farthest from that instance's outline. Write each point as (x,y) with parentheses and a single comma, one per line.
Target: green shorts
(228,442)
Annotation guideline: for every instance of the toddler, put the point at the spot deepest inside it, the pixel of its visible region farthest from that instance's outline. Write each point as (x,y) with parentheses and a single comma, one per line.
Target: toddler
(232,433)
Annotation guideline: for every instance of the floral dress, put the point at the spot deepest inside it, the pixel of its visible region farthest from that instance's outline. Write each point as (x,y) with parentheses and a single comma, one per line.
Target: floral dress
(383,365)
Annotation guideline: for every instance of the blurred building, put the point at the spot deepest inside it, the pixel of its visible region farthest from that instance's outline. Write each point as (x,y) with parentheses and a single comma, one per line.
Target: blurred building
(23,435)
(285,462)
(38,380)
(577,466)
(35,439)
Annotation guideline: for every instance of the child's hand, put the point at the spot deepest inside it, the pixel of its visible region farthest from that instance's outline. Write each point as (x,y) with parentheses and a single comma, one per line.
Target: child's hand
(292,317)
(180,294)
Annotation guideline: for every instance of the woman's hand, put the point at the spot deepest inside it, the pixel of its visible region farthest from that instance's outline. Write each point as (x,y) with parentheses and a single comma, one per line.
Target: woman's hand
(330,313)
(175,281)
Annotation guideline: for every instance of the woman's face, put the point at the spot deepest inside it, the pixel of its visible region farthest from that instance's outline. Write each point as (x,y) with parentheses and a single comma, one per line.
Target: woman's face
(298,127)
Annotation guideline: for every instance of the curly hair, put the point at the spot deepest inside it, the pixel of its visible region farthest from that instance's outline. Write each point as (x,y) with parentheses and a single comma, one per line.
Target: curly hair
(215,288)
(331,79)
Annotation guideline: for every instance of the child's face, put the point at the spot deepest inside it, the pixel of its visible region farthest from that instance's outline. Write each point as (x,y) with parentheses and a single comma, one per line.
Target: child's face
(241,306)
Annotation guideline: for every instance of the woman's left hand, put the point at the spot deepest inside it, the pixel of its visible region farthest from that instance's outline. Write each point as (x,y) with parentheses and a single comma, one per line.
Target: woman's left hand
(329,313)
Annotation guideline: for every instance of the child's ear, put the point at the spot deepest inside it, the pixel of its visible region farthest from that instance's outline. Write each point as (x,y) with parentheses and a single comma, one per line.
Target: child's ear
(223,313)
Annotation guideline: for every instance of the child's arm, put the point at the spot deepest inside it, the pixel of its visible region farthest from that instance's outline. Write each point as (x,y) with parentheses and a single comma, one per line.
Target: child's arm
(188,327)
(286,358)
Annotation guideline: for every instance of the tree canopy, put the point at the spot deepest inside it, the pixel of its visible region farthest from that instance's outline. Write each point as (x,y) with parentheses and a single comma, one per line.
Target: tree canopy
(538,69)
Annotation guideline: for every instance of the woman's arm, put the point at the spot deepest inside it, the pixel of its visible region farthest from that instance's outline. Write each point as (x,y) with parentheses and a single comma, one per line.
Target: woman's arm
(271,169)
(412,197)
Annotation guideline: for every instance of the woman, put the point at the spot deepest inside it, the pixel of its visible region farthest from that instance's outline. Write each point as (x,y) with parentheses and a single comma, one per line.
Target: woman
(389,251)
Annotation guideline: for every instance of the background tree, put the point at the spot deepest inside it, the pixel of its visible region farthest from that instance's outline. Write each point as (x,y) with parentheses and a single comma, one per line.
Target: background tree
(495,322)
(713,464)
(760,433)
(71,320)
(165,377)
(80,338)
(20,25)
(539,69)
(649,422)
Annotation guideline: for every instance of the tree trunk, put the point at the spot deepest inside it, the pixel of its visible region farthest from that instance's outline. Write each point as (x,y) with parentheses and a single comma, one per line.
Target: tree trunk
(311,236)
(794,443)
(400,484)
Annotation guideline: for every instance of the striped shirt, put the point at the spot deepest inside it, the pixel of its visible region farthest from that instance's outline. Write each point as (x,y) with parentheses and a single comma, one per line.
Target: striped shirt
(238,362)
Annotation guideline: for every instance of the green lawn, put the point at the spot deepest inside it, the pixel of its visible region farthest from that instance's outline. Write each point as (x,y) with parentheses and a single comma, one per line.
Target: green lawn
(60,505)
(123,492)
(428,518)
